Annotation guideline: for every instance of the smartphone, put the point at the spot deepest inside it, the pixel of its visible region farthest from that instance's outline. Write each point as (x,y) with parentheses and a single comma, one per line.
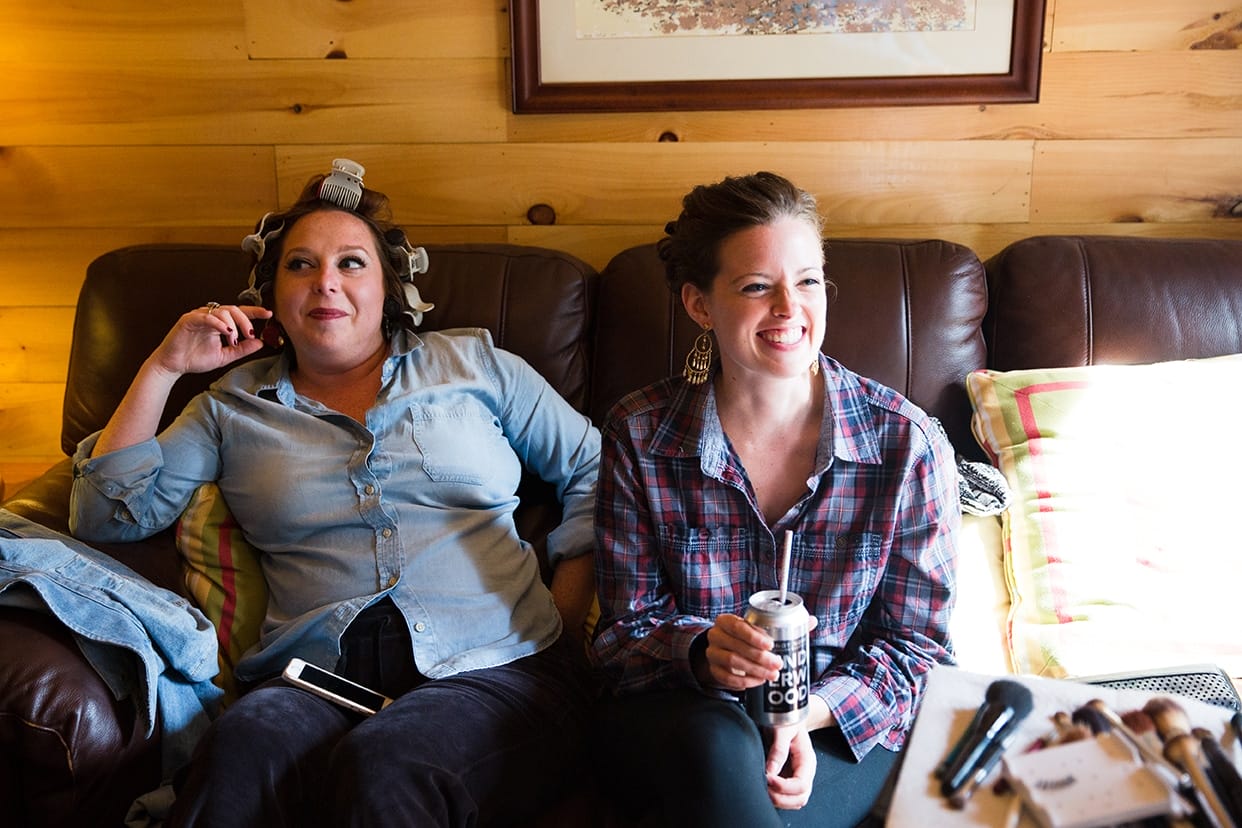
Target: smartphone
(335,688)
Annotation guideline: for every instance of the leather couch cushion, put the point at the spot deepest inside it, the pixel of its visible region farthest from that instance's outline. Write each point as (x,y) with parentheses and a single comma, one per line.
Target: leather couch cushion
(1060,301)
(74,735)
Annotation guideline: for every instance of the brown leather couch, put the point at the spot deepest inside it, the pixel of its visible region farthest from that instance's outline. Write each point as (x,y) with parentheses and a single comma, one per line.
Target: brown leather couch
(913,314)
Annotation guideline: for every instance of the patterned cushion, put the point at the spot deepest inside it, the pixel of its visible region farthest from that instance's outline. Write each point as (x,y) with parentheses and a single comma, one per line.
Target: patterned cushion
(1118,554)
(223,577)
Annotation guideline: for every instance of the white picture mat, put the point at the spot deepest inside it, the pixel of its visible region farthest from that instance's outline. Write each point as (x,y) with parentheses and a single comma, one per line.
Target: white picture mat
(566,58)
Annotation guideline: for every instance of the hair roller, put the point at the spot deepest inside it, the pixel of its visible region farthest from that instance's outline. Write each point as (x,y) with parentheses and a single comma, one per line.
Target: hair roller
(408,258)
(343,186)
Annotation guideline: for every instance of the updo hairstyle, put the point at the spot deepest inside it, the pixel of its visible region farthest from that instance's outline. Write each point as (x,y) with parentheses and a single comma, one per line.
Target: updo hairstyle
(711,213)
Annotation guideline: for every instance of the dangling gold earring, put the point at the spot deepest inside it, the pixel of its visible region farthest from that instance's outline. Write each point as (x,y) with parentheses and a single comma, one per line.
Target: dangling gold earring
(699,360)
(815,367)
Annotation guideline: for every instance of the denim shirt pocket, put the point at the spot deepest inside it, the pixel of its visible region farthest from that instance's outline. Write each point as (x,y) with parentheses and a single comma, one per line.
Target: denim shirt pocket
(460,443)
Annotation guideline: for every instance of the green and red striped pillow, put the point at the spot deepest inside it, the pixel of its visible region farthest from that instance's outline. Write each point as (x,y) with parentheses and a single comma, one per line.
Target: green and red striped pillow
(223,577)
(1120,547)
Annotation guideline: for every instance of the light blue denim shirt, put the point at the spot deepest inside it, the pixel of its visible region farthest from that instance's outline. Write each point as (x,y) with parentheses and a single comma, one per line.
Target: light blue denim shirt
(416,504)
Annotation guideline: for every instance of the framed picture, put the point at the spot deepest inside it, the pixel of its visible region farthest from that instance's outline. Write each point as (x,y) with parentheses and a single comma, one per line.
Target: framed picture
(647,55)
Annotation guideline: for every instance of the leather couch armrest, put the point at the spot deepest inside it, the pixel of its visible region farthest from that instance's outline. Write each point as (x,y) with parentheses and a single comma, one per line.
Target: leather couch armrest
(45,500)
(80,750)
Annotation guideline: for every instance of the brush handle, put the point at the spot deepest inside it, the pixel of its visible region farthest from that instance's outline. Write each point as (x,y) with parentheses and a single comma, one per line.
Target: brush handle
(1182,749)
(1222,773)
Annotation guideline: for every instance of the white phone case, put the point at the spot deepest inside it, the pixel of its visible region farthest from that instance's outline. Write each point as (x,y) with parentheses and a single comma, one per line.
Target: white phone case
(334,688)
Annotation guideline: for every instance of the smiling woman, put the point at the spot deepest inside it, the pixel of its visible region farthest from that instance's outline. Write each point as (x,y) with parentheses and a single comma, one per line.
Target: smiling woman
(699,477)
(328,301)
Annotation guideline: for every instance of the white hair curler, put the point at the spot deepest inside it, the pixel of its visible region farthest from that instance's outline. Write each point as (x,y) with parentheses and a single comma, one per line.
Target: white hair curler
(343,186)
(256,243)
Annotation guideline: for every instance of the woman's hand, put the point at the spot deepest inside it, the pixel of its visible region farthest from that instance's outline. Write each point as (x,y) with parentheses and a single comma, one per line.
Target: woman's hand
(209,337)
(739,655)
(202,340)
(790,768)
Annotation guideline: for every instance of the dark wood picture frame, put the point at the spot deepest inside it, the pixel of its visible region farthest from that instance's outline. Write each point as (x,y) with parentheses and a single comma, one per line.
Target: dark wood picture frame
(532,95)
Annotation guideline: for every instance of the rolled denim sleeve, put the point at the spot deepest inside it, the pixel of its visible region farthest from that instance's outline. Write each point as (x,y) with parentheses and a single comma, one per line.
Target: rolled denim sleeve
(132,493)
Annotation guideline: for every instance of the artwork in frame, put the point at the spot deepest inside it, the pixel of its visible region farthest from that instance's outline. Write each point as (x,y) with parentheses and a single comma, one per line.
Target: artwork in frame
(648,55)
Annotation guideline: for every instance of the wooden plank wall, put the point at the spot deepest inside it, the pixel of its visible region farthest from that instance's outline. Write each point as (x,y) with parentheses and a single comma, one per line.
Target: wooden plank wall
(129,121)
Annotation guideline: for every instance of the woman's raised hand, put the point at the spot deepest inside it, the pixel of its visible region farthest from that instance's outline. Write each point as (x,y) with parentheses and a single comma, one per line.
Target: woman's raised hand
(201,340)
(210,337)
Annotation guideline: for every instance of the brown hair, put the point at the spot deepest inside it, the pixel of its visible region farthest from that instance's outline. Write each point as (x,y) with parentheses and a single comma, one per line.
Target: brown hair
(711,213)
(374,211)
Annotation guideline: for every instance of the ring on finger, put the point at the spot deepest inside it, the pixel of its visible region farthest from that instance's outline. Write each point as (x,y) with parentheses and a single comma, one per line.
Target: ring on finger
(737,672)
(211,306)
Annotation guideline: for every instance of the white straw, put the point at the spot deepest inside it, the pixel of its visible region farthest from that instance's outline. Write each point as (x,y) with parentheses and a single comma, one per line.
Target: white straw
(785,556)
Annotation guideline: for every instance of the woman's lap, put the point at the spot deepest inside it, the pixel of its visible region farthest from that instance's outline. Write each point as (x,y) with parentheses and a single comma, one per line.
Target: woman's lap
(450,751)
(704,760)
(503,738)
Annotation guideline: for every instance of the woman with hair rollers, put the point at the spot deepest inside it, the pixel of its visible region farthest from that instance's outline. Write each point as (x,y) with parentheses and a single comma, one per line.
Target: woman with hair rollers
(376,470)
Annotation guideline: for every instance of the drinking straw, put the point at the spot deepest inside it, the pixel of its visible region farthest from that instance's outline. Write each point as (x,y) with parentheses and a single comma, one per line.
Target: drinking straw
(785,556)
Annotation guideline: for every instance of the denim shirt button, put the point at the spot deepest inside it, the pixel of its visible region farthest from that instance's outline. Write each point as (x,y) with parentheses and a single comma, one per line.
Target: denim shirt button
(420,627)
(370,490)
(387,533)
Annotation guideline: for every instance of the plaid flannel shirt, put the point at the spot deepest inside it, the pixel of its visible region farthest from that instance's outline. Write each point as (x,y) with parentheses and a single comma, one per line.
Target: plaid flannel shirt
(681,540)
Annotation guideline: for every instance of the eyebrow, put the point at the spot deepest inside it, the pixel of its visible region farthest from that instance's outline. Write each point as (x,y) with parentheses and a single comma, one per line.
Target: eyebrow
(750,274)
(352,248)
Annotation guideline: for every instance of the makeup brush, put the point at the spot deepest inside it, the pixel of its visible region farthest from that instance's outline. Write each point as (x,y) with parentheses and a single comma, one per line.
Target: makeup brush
(1068,729)
(1179,777)
(1184,750)
(1092,719)
(1222,772)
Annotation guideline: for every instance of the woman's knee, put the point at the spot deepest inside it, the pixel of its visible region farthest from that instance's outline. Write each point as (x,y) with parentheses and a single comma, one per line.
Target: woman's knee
(276,721)
(702,760)
(392,776)
(717,732)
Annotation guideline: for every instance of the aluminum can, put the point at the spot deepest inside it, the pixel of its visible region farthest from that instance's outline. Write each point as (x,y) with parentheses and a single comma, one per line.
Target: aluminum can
(785,701)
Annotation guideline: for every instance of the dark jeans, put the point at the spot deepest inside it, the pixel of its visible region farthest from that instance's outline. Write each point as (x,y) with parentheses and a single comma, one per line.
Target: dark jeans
(486,747)
(698,761)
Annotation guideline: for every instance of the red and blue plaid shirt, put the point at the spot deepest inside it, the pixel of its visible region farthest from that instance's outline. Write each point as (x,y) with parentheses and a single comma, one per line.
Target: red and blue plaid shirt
(681,540)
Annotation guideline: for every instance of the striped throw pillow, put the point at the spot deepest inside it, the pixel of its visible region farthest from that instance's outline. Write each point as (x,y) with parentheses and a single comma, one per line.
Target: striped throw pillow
(1119,548)
(223,577)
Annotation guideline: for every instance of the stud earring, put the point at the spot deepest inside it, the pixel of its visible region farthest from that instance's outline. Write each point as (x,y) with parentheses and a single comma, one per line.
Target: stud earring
(699,360)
